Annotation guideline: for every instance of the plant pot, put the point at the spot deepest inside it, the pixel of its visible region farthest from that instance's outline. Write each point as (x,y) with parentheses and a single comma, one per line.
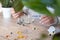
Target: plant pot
(6,12)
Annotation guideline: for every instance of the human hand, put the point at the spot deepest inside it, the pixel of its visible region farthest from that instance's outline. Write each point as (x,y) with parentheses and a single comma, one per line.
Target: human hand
(16,15)
(46,20)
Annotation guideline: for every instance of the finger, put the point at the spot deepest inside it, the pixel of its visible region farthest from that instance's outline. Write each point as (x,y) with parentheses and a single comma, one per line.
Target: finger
(46,22)
(14,15)
(42,17)
(49,21)
(20,13)
(17,16)
(43,20)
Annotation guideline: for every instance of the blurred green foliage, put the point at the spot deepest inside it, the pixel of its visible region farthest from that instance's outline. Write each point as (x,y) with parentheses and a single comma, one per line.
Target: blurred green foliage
(36,5)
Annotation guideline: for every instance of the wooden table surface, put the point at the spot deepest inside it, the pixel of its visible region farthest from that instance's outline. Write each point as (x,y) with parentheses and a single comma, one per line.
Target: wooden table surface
(10,30)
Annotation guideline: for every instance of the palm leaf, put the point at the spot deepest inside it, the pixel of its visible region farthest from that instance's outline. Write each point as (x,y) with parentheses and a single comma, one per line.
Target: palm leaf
(37,6)
(17,5)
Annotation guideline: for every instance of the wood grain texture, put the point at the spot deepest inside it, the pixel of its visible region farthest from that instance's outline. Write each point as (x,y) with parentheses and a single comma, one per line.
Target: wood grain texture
(9,25)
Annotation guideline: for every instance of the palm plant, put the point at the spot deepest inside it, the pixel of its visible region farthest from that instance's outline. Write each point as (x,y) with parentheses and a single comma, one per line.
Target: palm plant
(40,6)
(17,4)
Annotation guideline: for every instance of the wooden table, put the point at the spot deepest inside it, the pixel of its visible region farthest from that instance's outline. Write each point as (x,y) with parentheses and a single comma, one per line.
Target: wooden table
(9,30)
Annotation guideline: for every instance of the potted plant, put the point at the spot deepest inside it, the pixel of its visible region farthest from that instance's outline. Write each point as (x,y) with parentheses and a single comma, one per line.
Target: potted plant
(8,4)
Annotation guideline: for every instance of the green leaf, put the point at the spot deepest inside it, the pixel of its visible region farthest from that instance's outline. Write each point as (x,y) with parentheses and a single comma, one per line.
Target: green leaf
(57,11)
(58,2)
(5,3)
(47,2)
(18,5)
(37,6)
